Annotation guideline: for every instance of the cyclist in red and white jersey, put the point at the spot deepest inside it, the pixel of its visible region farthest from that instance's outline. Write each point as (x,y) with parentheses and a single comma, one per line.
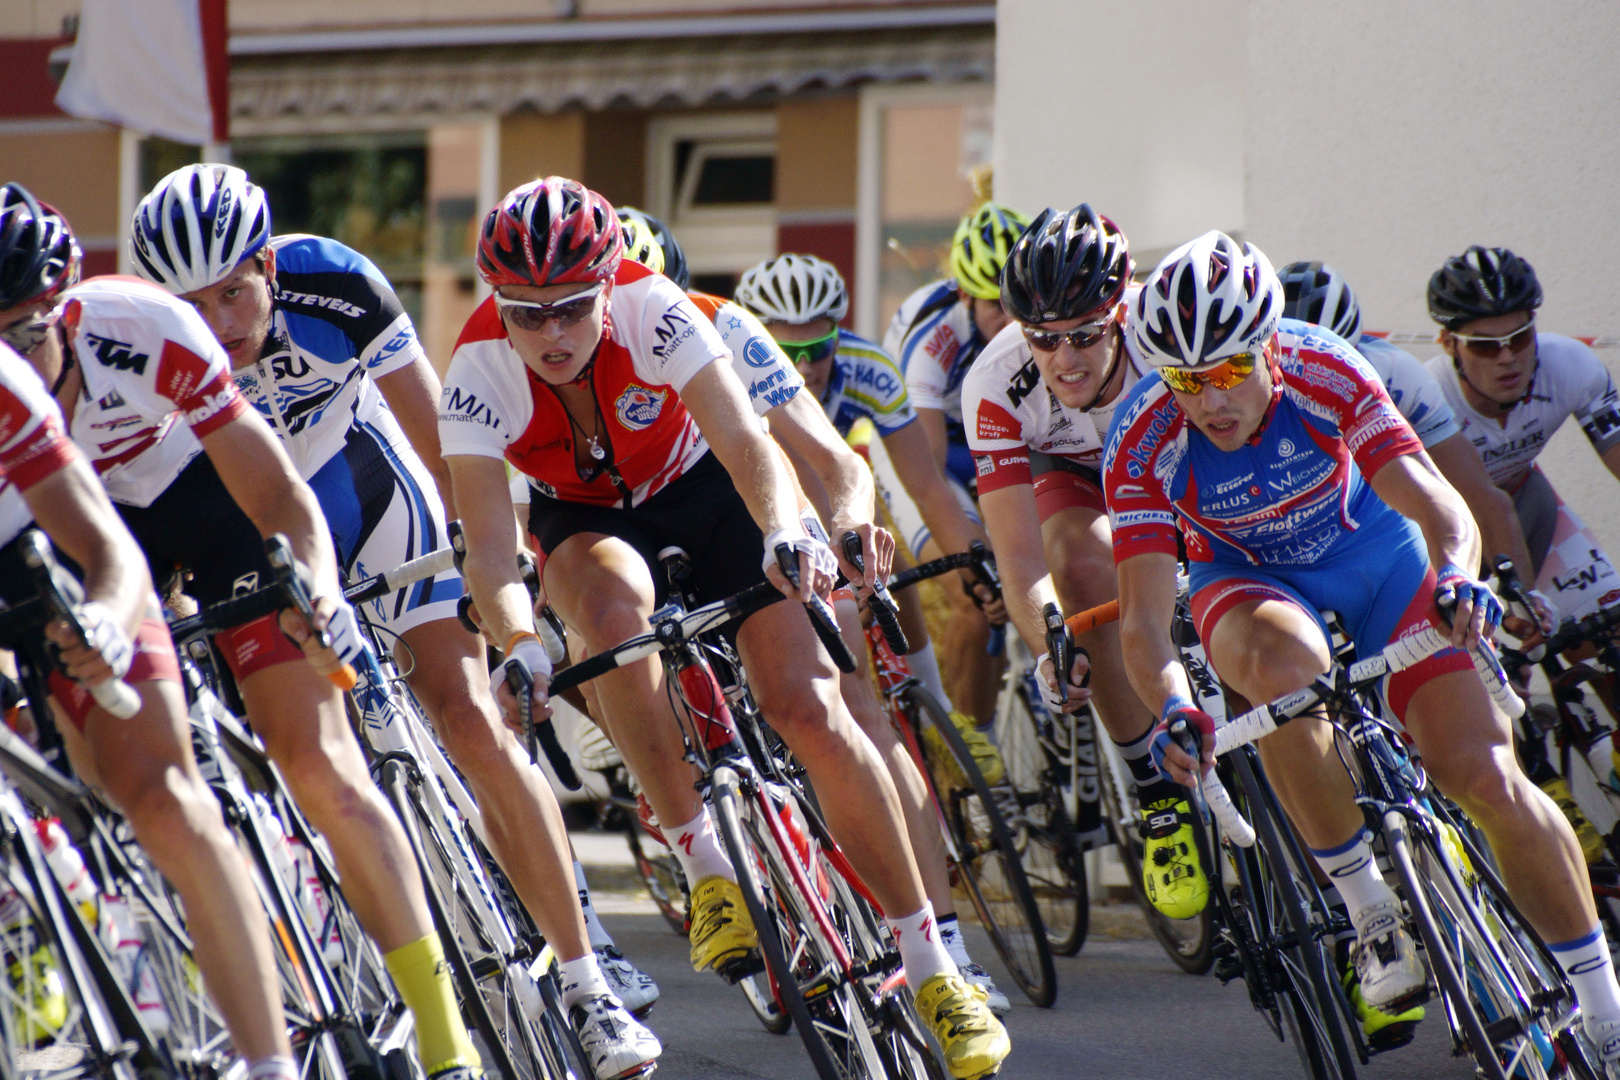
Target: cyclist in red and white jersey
(1037,405)
(598,379)
(142,764)
(1513,387)
(199,480)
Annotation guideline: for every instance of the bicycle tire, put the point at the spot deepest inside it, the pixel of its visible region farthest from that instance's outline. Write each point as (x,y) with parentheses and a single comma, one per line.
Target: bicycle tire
(1190,943)
(726,798)
(993,877)
(1035,808)
(660,872)
(1322,1042)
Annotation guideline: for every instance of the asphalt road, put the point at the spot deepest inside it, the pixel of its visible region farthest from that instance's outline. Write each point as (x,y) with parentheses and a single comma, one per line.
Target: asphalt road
(1124,1012)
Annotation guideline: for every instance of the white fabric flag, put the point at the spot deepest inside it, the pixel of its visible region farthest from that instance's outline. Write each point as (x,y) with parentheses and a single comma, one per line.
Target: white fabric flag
(139,64)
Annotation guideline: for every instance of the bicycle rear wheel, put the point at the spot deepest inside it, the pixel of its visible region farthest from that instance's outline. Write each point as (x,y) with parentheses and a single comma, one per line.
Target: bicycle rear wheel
(989,868)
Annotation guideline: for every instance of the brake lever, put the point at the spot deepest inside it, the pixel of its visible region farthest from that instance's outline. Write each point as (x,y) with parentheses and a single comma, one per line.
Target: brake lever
(279,554)
(1060,648)
(60,595)
(821,612)
(542,734)
(884,609)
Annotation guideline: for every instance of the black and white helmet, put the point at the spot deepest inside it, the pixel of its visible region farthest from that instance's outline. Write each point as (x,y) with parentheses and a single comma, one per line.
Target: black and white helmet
(38,254)
(1209,299)
(1482,283)
(197,225)
(794,289)
(1316,293)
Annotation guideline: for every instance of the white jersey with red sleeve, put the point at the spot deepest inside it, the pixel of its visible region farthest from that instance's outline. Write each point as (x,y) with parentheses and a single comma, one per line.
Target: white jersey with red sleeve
(33,440)
(1008,412)
(657,339)
(155,381)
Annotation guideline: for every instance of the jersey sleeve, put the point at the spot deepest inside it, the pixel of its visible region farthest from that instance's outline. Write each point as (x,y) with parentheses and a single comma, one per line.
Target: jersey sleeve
(1599,416)
(995,433)
(758,360)
(33,441)
(1417,395)
(193,373)
(1373,428)
(332,283)
(1140,512)
(481,408)
(926,354)
(676,340)
(873,384)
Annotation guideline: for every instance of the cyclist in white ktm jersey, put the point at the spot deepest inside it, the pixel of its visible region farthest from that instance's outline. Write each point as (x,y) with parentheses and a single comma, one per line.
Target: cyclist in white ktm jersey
(936,335)
(1513,387)
(323,349)
(143,765)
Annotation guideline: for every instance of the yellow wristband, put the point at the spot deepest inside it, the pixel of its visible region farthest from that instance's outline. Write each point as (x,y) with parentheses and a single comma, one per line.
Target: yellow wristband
(517,637)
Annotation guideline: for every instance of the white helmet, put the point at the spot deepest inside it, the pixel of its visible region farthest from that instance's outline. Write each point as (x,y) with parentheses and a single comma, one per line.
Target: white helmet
(197,225)
(1206,301)
(794,289)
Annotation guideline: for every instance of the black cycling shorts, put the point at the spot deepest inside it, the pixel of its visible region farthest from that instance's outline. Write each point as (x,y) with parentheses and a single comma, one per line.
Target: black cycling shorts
(700,512)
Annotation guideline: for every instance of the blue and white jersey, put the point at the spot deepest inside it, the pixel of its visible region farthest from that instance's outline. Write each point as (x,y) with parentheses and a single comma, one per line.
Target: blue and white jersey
(935,340)
(1413,390)
(336,325)
(865,382)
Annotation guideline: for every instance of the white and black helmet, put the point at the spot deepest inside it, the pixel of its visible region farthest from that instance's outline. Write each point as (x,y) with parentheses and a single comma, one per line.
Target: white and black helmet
(1314,292)
(1209,299)
(794,289)
(197,225)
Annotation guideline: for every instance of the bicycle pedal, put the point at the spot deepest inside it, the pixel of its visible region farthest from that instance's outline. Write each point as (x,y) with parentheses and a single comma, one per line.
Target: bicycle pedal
(1393,1037)
(736,970)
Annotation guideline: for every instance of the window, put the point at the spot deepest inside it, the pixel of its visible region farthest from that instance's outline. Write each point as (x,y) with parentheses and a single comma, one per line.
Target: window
(712,178)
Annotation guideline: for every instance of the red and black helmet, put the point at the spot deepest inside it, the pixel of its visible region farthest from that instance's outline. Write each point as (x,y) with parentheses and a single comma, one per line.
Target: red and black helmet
(553,231)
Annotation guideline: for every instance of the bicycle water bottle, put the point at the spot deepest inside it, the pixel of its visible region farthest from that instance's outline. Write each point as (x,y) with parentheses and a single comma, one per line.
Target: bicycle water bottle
(127,944)
(68,867)
(296,866)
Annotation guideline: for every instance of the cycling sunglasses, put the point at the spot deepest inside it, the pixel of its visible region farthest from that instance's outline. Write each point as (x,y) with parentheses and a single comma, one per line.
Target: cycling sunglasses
(27,335)
(814,351)
(1489,348)
(1081,337)
(1224,377)
(529,315)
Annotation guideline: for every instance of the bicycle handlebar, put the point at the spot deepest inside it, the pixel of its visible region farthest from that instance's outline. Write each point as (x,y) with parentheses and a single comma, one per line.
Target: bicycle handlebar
(61,595)
(884,609)
(821,612)
(278,552)
(540,734)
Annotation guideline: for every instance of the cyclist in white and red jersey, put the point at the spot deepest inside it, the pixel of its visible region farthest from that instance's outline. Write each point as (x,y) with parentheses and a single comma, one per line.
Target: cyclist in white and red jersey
(324,350)
(199,480)
(935,336)
(1297,487)
(598,379)
(1513,387)
(142,764)
(1037,405)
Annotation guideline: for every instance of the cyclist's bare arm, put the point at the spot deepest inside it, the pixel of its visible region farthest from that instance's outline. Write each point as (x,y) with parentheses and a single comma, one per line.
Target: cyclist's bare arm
(811,441)
(932,421)
(1413,490)
(412,394)
(491,569)
(1147,607)
(1492,508)
(921,476)
(1015,536)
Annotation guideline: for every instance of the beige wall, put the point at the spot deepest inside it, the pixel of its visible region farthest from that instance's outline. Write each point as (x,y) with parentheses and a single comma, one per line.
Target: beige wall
(816,145)
(454,153)
(75,171)
(34,18)
(535,145)
(615,159)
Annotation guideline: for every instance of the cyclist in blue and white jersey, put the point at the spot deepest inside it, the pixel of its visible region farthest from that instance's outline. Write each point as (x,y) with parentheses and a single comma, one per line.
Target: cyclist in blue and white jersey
(320,345)
(936,335)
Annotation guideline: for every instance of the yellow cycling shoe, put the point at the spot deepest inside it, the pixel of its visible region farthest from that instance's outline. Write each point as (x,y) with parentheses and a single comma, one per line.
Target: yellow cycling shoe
(40,1003)
(721,933)
(956,1012)
(1384,1031)
(985,754)
(1171,875)
(1586,833)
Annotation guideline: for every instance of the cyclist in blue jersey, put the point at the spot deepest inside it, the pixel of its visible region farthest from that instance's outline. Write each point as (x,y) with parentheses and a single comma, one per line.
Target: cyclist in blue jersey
(936,335)
(320,345)
(1298,487)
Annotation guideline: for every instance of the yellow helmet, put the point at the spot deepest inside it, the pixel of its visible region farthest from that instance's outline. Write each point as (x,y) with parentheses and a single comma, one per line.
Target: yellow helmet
(980,247)
(640,242)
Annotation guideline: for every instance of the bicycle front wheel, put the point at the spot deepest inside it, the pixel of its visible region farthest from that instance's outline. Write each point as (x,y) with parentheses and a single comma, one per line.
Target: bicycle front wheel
(988,865)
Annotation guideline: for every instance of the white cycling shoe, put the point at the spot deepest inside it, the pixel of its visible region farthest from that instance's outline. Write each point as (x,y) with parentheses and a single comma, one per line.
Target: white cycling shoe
(974,975)
(633,987)
(1606,1038)
(1392,976)
(616,1044)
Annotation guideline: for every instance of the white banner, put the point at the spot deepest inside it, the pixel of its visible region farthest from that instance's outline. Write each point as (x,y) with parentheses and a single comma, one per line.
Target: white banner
(140,65)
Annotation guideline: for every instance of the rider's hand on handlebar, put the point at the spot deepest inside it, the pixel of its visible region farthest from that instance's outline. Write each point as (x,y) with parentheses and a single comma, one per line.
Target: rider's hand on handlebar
(1477,613)
(1079,674)
(1170,757)
(994,607)
(336,617)
(105,654)
(877,554)
(818,566)
(530,654)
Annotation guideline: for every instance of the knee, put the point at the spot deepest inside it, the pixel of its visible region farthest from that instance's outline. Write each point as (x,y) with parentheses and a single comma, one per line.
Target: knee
(472,736)
(172,815)
(800,712)
(610,616)
(1085,578)
(1487,787)
(1271,665)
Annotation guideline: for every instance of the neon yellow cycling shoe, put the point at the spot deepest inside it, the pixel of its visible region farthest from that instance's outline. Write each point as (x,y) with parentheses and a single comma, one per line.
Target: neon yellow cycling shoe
(1171,874)
(974,1041)
(1459,854)
(722,935)
(1384,1031)
(985,754)
(39,1001)
(1586,833)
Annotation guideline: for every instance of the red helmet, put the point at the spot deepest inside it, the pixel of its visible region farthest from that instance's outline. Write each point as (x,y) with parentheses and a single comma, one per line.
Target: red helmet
(553,231)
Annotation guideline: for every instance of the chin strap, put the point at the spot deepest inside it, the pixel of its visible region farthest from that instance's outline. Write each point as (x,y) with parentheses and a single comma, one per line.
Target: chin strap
(1113,368)
(69,359)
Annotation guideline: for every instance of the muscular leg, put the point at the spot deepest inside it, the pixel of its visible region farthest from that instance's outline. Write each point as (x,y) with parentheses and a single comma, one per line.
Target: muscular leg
(300,717)
(1267,648)
(146,768)
(521,816)
(1468,750)
(972,676)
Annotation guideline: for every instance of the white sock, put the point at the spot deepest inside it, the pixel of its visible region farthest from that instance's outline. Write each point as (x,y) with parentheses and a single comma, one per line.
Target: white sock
(274,1067)
(1356,875)
(593,926)
(581,979)
(925,666)
(698,849)
(950,936)
(1590,969)
(921,951)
